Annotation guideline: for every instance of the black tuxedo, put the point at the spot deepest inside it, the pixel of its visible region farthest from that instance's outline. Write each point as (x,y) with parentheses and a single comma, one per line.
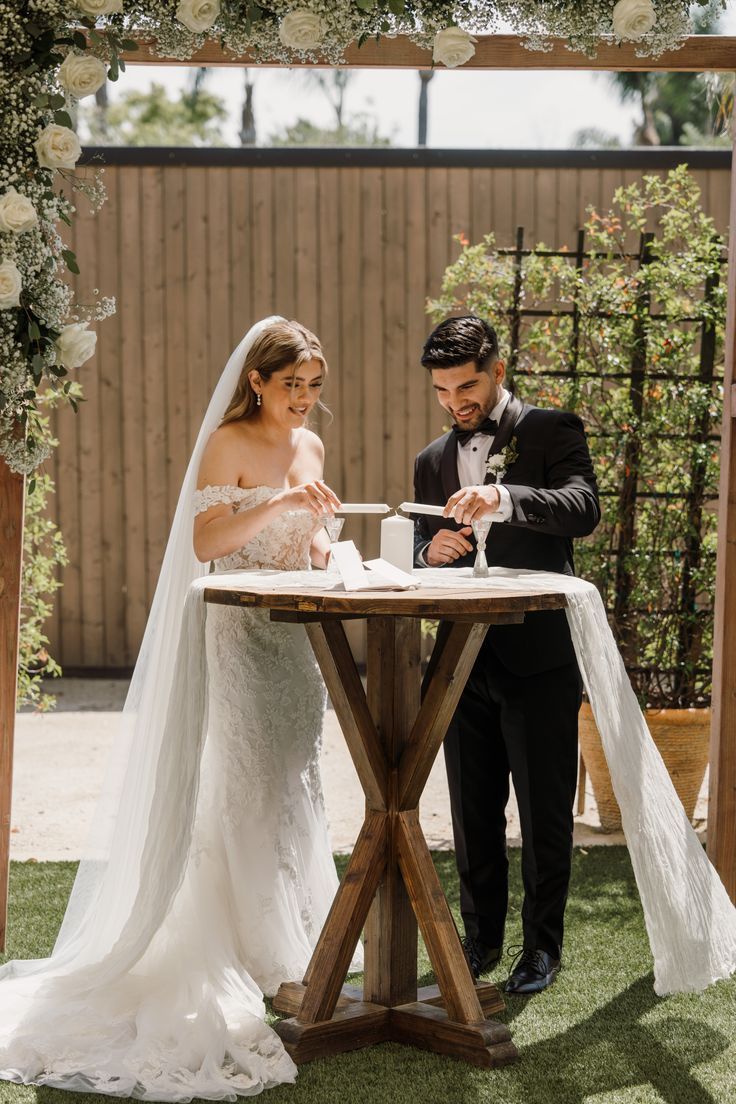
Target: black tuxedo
(518,712)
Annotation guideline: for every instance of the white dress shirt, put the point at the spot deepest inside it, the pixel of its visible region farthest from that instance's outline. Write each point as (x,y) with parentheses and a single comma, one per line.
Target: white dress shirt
(472,456)
(471,466)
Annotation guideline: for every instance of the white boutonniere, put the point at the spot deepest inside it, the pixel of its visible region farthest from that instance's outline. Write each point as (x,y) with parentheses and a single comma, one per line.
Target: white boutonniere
(499,462)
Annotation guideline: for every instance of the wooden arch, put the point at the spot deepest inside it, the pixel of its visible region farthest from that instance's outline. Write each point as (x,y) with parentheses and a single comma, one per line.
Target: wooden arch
(701,53)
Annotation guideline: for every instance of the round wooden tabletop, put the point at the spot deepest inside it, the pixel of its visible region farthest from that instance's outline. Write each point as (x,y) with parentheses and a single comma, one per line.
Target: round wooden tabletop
(467,602)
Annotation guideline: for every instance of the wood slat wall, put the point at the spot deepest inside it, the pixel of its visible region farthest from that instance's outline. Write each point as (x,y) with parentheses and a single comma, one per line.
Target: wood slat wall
(194,254)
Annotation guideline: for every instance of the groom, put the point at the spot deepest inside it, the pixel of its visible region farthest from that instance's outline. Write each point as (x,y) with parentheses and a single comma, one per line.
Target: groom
(530,470)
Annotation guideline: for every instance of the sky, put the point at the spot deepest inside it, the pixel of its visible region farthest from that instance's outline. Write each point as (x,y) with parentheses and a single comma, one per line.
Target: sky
(491,110)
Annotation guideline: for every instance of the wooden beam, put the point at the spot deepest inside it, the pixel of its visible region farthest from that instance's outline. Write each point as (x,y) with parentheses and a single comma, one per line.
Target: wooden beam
(12,491)
(722,796)
(699,53)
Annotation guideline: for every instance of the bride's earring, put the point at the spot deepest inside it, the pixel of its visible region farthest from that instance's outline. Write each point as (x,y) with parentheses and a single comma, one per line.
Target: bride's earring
(258,399)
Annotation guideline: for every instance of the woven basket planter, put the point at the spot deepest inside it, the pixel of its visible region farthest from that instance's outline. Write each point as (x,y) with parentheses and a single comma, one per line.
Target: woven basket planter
(683,739)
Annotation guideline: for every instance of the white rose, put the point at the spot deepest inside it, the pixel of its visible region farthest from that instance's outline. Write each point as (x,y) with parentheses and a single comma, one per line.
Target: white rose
(75,344)
(57,147)
(81,75)
(99,7)
(11,284)
(453,47)
(198,15)
(632,19)
(17,213)
(301,30)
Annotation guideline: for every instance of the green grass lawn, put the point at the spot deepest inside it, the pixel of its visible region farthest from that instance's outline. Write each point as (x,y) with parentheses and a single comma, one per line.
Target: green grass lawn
(598,1036)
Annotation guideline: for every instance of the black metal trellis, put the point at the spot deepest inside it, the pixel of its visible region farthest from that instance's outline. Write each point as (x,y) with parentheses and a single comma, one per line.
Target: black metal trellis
(693,615)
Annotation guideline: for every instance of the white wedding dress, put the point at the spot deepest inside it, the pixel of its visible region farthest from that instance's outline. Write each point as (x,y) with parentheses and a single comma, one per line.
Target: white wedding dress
(186,1019)
(209,874)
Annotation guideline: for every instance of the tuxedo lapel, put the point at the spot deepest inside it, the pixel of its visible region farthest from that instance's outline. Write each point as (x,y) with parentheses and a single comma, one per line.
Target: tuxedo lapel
(511,414)
(448,467)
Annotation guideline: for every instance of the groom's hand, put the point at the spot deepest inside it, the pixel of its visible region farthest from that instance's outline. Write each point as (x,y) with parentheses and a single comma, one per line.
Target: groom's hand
(471,504)
(448,545)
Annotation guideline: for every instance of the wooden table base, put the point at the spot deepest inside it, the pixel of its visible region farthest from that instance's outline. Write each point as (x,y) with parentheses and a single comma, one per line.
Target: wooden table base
(422,1023)
(390,885)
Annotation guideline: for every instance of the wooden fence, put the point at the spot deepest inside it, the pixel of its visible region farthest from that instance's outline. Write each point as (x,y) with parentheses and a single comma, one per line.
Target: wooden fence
(352,245)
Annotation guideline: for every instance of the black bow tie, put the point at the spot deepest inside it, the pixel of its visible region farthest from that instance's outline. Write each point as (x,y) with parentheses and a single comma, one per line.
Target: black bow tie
(488,426)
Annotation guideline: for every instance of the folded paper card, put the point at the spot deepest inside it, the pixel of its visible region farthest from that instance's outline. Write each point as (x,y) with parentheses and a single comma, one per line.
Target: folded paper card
(375,575)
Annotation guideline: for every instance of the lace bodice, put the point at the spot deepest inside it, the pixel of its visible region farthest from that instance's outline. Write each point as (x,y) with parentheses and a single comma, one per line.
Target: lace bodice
(284,543)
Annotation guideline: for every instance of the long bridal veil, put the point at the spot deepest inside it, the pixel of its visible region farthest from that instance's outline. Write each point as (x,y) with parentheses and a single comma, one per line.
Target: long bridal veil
(141,833)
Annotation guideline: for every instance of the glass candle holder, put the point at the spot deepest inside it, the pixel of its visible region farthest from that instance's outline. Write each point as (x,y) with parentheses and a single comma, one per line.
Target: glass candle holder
(333,526)
(480,531)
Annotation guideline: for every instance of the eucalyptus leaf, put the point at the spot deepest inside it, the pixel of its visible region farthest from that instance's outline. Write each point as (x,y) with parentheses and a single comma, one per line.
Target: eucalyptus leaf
(71,261)
(63,118)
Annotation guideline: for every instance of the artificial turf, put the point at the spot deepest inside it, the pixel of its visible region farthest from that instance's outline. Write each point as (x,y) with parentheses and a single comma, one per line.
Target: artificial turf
(599,1035)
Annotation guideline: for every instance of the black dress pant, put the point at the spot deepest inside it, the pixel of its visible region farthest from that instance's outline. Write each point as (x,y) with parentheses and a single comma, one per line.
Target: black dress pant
(525,726)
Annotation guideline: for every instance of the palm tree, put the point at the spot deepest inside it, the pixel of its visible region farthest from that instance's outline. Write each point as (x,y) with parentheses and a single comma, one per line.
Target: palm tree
(247,117)
(425,76)
(673,105)
(334,83)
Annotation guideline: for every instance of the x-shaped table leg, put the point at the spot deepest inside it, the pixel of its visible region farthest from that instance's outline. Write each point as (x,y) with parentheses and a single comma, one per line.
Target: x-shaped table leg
(390,883)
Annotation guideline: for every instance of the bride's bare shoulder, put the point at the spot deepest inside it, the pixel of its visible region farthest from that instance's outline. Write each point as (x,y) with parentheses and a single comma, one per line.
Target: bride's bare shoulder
(223,455)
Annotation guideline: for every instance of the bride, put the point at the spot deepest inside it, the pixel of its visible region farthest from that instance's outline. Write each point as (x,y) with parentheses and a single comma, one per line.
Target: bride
(211,872)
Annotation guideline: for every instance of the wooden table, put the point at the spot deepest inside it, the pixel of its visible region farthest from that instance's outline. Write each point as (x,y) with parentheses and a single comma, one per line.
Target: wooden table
(390,883)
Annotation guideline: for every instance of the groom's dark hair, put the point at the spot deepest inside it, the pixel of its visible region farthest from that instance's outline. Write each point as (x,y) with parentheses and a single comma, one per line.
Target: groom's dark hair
(458,340)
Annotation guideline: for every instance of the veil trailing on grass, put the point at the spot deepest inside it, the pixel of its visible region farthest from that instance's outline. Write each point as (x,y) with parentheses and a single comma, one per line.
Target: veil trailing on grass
(138,852)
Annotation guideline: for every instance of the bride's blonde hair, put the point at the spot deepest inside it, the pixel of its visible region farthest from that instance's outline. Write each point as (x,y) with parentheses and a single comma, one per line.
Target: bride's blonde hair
(282,345)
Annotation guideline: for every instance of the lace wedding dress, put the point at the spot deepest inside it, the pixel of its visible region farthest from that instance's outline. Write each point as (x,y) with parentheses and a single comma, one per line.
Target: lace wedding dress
(266,706)
(185,1019)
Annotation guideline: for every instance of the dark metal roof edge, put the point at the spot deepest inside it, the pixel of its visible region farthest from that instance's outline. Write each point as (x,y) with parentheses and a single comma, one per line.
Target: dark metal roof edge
(662,157)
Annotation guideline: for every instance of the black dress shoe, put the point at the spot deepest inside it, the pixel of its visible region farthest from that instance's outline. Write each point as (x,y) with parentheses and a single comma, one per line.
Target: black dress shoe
(480,957)
(532,972)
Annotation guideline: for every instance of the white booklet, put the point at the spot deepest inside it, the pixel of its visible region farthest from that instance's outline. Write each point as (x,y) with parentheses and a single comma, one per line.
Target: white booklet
(372,575)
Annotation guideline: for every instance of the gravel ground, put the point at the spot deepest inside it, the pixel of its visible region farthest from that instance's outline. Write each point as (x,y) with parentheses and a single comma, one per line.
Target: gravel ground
(60,759)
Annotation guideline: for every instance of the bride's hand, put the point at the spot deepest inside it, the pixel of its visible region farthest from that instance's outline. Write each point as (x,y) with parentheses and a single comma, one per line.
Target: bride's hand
(315,496)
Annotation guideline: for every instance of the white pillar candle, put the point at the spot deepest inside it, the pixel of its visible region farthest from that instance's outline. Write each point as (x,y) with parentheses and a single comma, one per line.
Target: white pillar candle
(397,542)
